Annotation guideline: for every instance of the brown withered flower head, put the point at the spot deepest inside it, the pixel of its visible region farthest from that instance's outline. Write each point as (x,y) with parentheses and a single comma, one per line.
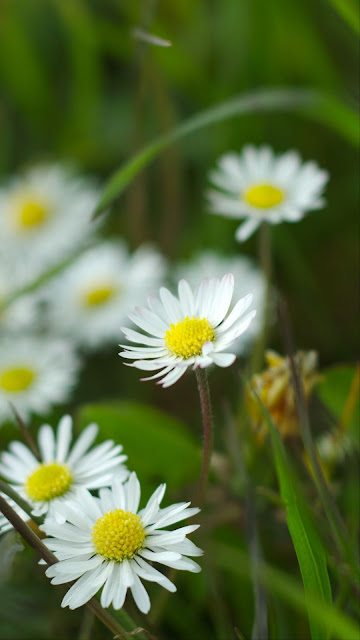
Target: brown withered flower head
(275,390)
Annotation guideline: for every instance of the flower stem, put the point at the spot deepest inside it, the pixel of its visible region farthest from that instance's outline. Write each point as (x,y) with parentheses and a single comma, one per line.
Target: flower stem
(32,539)
(206,413)
(266,268)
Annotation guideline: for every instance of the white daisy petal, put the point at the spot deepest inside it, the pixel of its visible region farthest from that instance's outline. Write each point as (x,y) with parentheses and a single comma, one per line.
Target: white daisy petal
(22,452)
(86,587)
(186,299)
(132,488)
(63,438)
(247,229)
(82,444)
(46,440)
(140,595)
(223,359)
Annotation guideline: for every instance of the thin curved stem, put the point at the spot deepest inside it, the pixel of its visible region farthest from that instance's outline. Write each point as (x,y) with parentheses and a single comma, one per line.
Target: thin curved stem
(265,260)
(206,413)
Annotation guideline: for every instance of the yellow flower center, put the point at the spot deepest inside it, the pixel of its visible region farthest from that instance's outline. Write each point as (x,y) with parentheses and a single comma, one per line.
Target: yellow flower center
(98,296)
(264,196)
(49,481)
(187,337)
(118,534)
(17,379)
(31,213)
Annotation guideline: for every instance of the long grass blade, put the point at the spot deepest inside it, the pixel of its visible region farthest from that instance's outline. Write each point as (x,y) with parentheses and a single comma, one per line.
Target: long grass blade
(309,103)
(308,546)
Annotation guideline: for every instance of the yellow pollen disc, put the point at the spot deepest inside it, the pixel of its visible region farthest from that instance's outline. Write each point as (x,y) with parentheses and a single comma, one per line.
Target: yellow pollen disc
(17,379)
(118,534)
(264,196)
(187,337)
(49,481)
(32,214)
(98,296)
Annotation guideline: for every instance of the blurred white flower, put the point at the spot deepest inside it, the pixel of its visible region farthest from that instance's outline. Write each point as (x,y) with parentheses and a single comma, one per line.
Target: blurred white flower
(194,329)
(62,470)
(107,542)
(18,313)
(45,216)
(92,297)
(247,277)
(261,187)
(35,374)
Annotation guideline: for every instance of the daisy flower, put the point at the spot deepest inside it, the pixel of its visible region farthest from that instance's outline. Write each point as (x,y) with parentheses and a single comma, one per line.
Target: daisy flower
(247,277)
(261,187)
(45,216)
(62,470)
(35,374)
(193,329)
(99,289)
(107,542)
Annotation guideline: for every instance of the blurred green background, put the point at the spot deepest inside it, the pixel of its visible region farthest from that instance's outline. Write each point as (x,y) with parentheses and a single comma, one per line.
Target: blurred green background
(77,85)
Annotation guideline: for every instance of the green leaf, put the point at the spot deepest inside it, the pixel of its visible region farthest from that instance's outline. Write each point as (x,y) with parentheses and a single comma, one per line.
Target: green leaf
(159,447)
(323,614)
(339,391)
(309,103)
(308,546)
(349,11)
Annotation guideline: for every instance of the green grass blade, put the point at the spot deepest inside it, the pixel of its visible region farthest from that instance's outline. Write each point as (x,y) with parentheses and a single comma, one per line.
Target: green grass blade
(349,11)
(308,546)
(286,588)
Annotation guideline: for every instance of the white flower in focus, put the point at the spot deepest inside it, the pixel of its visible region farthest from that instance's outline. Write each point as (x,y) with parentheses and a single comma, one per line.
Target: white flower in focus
(193,329)
(107,542)
(247,277)
(99,290)
(261,187)
(46,214)
(4,522)
(62,470)
(35,374)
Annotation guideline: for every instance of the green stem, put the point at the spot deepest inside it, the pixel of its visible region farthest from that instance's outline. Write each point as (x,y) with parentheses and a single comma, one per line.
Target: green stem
(21,502)
(32,539)
(206,413)
(266,268)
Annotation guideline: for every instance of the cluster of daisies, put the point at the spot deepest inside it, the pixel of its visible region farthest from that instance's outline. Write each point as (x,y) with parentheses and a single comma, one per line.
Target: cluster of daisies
(104,540)
(62,291)
(47,323)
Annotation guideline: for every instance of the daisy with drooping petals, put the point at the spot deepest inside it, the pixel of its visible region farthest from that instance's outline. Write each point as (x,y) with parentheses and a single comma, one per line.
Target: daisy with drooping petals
(261,187)
(193,329)
(62,470)
(107,542)
(46,214)
(99,289)
(247,277)
(35,374)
